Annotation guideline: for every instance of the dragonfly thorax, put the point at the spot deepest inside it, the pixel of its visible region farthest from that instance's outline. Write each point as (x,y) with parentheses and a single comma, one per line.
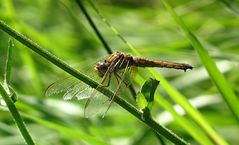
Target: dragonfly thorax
(113,63)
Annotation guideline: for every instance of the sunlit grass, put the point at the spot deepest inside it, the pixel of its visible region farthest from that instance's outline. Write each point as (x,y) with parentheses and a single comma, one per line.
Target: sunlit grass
(148,28)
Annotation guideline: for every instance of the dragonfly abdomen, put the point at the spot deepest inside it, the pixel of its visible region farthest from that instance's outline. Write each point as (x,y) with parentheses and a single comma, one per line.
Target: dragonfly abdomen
(145,62)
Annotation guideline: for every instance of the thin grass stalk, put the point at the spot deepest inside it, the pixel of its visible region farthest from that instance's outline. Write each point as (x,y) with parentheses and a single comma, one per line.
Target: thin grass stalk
(9,102)
(17,117)
(99,35)
(7,74)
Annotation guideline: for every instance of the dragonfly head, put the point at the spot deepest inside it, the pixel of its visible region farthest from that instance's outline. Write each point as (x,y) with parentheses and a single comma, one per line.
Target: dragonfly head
(101,68)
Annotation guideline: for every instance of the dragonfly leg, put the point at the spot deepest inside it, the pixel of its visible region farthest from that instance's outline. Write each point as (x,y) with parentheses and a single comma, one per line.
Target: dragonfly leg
(118,87)
(108,83)
(118,78)
(111,69)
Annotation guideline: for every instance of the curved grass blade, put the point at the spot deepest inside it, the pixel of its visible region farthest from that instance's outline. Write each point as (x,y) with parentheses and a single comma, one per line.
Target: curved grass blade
(17,117)
(7,73)
(216,76)
(214,73)
(148,91)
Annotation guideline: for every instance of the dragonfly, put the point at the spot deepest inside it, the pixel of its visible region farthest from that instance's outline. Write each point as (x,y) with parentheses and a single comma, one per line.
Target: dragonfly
(119,65)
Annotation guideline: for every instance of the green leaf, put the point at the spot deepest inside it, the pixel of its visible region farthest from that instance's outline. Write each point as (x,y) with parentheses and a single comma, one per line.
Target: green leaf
(141,100)
(145,98)
(148,91)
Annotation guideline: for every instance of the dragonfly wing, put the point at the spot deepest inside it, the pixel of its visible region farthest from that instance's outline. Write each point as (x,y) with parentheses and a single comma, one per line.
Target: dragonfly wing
(60,86)
(96,105)
(71,87)
(77,90)
(84,93)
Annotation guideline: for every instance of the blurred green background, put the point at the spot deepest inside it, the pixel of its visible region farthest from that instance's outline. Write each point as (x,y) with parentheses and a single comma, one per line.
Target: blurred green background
(61,28)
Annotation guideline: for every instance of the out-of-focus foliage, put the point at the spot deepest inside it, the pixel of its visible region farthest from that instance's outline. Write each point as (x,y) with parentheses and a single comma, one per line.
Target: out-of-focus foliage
(60,27)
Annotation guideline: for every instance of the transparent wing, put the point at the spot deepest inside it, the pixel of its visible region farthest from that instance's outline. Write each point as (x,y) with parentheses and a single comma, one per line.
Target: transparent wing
(71,87)
(61,86)
(78,90)
(96,105)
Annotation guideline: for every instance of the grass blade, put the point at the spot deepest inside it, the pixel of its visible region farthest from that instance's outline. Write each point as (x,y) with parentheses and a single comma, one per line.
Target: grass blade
(231,5)
(7,73)
(92,24)
(214,73)
(66,131)
(216,76)
(17,117)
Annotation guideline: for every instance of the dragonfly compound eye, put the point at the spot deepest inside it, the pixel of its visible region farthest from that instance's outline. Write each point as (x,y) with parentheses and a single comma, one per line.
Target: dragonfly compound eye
(101,69)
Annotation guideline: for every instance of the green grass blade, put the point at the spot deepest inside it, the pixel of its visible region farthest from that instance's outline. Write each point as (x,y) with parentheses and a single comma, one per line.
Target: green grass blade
(25,55)
(17,117)
(92,24)
(195,131)
(231,5)
(7,73)
(214,73)
(115,31)
(183,102)
(66,131)
(216,76)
